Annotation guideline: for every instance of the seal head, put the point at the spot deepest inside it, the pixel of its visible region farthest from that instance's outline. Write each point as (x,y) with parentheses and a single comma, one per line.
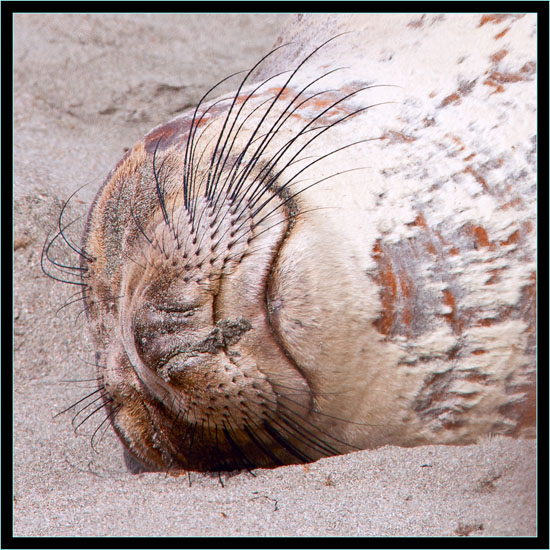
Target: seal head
(183,292)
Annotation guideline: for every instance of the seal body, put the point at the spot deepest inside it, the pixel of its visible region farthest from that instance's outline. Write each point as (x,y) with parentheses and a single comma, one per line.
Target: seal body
(340,255)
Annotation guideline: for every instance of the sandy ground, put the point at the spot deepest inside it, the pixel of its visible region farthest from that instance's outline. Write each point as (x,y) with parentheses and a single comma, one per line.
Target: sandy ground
(86,88)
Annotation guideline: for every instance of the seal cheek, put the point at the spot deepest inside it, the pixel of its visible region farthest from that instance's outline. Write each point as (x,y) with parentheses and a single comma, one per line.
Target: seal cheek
(130,415)
(291,303)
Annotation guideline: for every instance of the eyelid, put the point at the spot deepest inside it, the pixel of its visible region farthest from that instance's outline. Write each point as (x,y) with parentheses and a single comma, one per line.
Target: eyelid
(186,310)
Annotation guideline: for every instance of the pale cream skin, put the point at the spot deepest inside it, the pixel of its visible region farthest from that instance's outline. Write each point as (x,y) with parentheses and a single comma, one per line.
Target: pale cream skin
(383,295)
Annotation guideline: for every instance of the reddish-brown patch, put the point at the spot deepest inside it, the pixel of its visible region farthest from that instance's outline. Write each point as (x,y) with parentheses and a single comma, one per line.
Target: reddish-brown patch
(495,276)
(475,376)
(512,239)
(496,18)
(504,313)
(162,136)
(431,248)
(242,98)
(328,102)
(406,284)
(436,389)
(480,236)
(528,303)
(388,291)
(523,74)
(497,79)
(501,33)
(470,157)
(526,411)
(287,94)
(420,221)
(377,250)
(465,88)
(518,235)
(527,226)
(454,251)
(397,293)
(452,317)
(416,23)
(297,117)
(514,202)
(498,56)
(453,98)
(498,88)
(348,89)
(398,137)
(479,352)
(452,353)
(478,177)
(321,103)
(457,140)
(406,291)
(449,300)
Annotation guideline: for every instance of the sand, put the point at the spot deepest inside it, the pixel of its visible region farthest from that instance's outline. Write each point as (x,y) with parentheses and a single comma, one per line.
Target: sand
(86,88)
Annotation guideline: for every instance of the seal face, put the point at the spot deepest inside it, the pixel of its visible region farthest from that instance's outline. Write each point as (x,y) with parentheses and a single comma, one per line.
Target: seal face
(289,273)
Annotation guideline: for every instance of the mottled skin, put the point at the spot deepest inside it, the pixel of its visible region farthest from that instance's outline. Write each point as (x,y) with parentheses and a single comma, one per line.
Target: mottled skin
(393,303)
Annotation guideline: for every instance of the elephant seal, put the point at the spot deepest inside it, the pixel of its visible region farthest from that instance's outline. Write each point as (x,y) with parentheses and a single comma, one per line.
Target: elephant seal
(339,255)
